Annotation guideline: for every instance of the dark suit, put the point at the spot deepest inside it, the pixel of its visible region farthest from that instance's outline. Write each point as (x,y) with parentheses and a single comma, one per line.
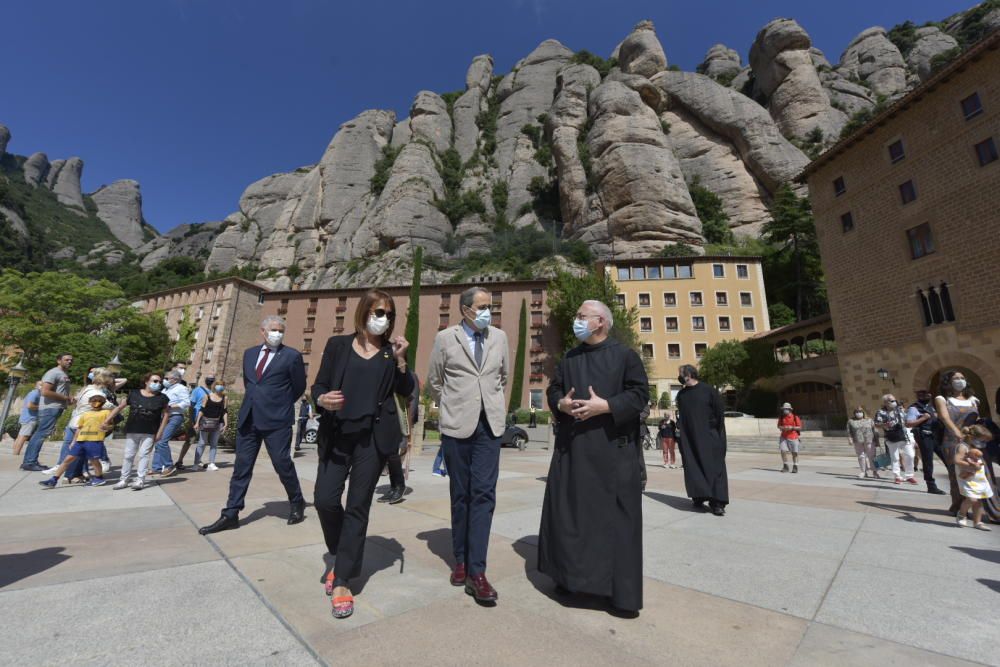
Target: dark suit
(358,456)
(267,414)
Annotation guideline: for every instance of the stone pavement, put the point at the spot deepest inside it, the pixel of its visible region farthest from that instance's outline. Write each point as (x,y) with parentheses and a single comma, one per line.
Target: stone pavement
(818,568)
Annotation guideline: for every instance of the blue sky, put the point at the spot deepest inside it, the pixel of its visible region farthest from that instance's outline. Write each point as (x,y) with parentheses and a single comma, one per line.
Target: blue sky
(196,99)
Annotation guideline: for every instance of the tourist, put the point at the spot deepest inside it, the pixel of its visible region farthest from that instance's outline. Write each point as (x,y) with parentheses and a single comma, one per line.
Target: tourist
(359,428)
(438,468)
(28,420)
(957,407)
(668,441)
(790,428)
(274,377)
(590,539)
(394,463)
(532,417)
(101,382)
(88,442)
(861,435)
(469,368)
(147,419)
(703,433)
(305,414)
(180,400)
(213,418)
(925,426)
(889,419)
(197,399)
(971,472)
(54,398)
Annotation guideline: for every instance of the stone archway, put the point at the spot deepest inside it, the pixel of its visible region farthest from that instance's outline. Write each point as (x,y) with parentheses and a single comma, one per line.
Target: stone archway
(979,374)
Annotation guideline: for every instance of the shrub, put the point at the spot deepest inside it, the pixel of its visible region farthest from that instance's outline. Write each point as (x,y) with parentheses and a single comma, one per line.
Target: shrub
(665,126)
(714,221)
(677,250)
(383,167)
(726,78)
(499,197)
(602,66)
(523,416)
(11,425)
(486,121)
(233,403)
(939,60)
(904,36)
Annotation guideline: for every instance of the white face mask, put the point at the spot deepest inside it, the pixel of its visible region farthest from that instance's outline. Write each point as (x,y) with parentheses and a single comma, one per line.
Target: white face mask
(180,371)
(274,338)
(958,384)
(859,415)
(377,325)
(892,404)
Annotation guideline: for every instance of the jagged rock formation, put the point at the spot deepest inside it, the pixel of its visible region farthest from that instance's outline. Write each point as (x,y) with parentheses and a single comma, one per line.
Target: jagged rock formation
(721,62)
(931,41)
(182,241)
(641,53)
(875,61)
(36,169)
(66,183)
(119,205)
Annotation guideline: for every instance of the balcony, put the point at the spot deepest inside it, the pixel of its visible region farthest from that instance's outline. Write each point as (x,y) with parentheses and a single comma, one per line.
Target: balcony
(309,330)
(341,309)
(536,377)
(283,310)
(445,306)
(311,310)
(536,349)
(536,304)
(338,330)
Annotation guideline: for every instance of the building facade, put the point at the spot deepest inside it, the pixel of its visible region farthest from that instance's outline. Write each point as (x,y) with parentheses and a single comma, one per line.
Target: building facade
(688,304)
(908,219)
(315,315)
(226,318)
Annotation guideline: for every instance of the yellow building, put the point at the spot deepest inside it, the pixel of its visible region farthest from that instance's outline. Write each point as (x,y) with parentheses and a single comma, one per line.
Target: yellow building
(688,304)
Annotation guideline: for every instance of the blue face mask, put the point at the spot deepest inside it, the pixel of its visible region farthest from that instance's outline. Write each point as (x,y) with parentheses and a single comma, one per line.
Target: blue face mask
(483,319)
(155,387)
(581,330)
(90,376)
(219,389)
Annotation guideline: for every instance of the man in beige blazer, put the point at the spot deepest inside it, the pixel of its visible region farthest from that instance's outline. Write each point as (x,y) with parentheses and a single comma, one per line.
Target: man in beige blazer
(468,372)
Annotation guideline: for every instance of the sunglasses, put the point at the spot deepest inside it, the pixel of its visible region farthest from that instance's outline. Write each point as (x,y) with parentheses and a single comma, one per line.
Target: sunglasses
(382,312)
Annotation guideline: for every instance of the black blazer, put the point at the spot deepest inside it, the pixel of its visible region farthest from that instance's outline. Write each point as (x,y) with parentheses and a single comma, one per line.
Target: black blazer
(331,377)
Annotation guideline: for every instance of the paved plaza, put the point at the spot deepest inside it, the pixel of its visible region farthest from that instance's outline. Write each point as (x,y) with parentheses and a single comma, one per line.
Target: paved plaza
(818,568)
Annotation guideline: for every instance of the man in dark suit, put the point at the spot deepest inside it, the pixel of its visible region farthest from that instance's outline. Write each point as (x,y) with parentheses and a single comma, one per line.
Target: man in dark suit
(274,377)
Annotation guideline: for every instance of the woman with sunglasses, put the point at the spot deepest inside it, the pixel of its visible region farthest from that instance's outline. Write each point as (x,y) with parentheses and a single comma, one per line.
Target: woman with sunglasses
(359,426)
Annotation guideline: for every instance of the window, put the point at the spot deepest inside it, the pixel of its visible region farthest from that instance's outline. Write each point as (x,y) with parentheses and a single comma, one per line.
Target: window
(496,319)
(698,323)
(623,273)
(721,298)
(921,241)
(670,299)
(700,349)
(443,321)
(536,297)
(986,151)
(935,304)
(748,324)
(307,345)
(896,152)
(718,271)
(638,273)
(312,306)
(620,298)
(445,301)
(537,400)
(724,324)
(310,324)
(670,272)
(653,272)
(536,318)
(674,350)
(305,367)
(847,222)
(208,355)
(283,307)
(907,192)
(196,335)
(218,311)
(684,271)
(672,324)
(536,343)
(696,299)
(647,350)
(201,313)
(746,299)
(496,300)
(339,323)
(644,300)
(838,186)
(971,106)
(211,333)
(742,271)
(646,324)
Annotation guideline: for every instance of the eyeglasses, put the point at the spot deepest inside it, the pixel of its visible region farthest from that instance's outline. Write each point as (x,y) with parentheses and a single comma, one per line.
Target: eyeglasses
(481,308)
(585,317)
(382,312)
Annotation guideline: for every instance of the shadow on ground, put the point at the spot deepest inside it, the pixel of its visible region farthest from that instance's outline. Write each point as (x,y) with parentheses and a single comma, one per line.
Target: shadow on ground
(14,567)
(380,554)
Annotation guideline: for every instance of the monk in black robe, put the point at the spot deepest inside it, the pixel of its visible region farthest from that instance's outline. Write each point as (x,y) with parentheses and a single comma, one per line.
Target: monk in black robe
(590,540)
(702,427)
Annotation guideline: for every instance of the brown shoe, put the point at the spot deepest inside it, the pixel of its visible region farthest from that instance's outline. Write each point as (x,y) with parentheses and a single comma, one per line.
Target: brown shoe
(169,472)
(478,587)
(458,575)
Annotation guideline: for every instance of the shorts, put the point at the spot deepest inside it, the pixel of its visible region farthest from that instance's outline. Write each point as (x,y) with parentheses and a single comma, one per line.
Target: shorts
(27,429)
(789,445)
(87,449)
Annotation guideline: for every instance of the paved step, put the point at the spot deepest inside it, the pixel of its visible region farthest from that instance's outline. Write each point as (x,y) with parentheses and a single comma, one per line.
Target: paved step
(812,445)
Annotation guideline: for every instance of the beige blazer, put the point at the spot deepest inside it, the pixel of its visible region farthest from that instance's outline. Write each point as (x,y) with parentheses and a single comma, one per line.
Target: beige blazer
(462,390)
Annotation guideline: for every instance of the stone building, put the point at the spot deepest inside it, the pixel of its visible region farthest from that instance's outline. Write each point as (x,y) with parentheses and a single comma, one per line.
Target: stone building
(687,304)
(315,315)
(226,314)
(907,213)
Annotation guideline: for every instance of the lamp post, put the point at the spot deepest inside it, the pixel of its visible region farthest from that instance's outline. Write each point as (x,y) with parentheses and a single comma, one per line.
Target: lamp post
(884,375)
(15,375)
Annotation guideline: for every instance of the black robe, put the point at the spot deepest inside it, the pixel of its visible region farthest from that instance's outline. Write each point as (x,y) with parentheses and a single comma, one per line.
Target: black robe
(702,430)
(590,539)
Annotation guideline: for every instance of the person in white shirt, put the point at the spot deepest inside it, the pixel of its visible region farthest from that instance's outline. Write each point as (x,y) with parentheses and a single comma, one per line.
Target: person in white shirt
(180,400)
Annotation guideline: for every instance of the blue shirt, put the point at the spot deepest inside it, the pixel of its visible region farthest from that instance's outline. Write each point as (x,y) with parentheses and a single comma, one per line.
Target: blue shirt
(470,333)
(197,398)
(27,415)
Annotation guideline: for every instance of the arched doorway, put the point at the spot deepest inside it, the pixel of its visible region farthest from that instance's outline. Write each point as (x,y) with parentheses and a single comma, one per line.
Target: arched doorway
(978,387)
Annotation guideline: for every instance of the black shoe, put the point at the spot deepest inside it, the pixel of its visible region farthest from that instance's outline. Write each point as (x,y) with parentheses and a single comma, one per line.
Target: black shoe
(33,467)
(795,468)
(297,513)
(698,504)
(180,466)
(784,468)
(386,497)
(397,495)
(719,511)
(225,522)
(933,488)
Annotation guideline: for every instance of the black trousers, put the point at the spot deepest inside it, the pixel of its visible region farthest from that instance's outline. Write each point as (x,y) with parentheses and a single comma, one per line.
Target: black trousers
(248,440)
(928,448)
(395,464)
(346,527)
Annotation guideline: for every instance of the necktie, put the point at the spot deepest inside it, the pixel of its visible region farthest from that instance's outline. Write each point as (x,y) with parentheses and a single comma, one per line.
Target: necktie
(262,363)
(479,349)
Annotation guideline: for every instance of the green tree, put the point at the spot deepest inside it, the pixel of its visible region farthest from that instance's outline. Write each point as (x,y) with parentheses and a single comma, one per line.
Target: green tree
(517,383)
(792,232)
(780,315)
(567,292)
(664,403)
(677,250)
(412,332)
(738,364)
(714,221)
(186,330)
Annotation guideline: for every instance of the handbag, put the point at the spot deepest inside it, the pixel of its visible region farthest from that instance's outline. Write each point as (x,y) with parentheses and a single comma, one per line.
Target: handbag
(883,460)
(210,423)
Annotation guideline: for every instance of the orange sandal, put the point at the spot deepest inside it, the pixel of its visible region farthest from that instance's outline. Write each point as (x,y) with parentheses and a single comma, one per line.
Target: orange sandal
(328,586)
(343,606)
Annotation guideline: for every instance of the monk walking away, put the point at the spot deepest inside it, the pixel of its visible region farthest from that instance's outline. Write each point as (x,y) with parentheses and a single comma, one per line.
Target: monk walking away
(702,430)
(590,539)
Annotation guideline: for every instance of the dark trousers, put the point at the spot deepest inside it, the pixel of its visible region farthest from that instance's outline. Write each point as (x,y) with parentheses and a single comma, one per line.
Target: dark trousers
(928,448)
(345,528)
(301,433)
(278,443)
(473,466)
(395,465)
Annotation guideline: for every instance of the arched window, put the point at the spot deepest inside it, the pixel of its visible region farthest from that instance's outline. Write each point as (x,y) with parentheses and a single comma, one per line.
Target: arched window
(949,312)
(925,308)
(937,314)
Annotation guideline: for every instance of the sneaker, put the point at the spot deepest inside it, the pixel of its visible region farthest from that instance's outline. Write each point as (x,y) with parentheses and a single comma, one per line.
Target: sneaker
(169,472)
(911,480)
(795,468)
(96,481)
(49,483)
(50,471)
(862,475)
(138,485)
(438,473)
(982,526)
(784,468)
(211,466)
(123,483)
(962,522)
(898,480)
(180,466)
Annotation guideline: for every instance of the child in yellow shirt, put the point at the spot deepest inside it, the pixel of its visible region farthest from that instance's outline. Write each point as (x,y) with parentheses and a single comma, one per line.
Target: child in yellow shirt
(88,441)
